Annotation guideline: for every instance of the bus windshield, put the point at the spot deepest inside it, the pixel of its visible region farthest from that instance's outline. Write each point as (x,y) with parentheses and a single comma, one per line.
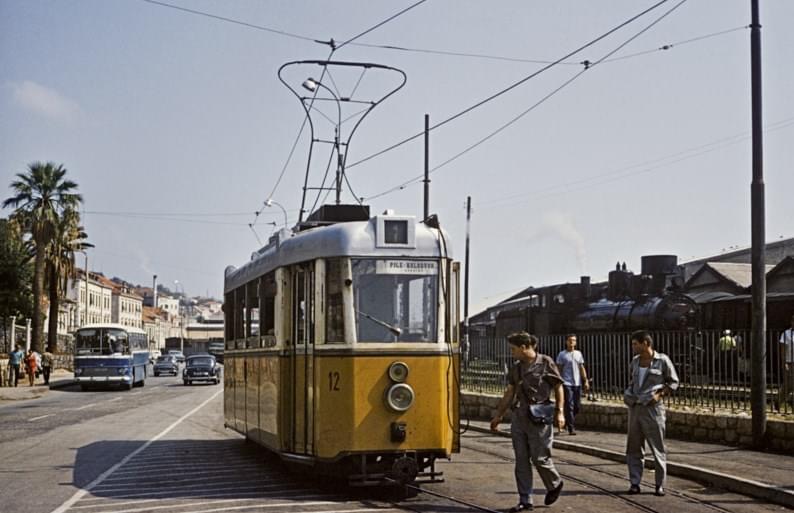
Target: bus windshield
(395,300)
(101,341)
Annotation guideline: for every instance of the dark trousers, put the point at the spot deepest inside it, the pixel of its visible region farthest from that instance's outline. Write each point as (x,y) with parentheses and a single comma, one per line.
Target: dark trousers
(573,400)
(13,370)
(46,372)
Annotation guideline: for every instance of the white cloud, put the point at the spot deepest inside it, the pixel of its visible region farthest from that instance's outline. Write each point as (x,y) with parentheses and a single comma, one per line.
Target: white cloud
(44,101)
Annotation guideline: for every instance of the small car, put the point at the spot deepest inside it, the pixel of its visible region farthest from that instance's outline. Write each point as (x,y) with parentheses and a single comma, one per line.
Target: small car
(202,367)
(166,364)
(154,355)
(176,353)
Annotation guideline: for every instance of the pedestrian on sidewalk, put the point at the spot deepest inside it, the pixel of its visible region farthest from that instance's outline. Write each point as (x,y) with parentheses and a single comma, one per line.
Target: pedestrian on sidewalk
(30,366)
(47,360)
(652,376)
(571,365)
(787,357)
(15,359)
(530,383)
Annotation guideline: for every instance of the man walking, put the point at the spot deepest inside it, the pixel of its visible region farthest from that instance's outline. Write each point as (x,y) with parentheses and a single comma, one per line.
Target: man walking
(46,365)
(14,361)
(787,357)
(571,364)
(531,381)
(652,376)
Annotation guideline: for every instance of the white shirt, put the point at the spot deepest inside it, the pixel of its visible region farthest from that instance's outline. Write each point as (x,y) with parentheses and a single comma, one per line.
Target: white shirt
(787,338)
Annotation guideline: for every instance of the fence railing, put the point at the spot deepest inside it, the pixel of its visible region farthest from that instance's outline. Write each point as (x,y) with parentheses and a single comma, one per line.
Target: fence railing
(714,373)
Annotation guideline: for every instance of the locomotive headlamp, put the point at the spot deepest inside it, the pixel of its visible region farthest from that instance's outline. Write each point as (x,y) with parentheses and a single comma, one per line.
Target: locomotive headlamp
(398,372)
(400,397)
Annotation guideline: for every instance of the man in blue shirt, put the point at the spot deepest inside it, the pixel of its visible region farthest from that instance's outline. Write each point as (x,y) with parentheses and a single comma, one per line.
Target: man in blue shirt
(571,364)
(14,361)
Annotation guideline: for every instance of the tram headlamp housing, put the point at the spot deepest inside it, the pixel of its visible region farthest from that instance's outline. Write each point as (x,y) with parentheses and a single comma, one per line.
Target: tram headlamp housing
(398,372)
(400,397)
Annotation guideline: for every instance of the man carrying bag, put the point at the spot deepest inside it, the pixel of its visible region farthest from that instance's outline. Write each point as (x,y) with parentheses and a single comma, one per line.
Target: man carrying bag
(531,382)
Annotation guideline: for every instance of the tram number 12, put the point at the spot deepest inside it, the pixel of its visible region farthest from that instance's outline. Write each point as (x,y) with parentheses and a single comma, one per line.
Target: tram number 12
(333,381)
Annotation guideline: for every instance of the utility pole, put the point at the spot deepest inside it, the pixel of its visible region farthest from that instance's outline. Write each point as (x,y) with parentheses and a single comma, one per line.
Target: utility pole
(466,287)
(427,166)
(758,252)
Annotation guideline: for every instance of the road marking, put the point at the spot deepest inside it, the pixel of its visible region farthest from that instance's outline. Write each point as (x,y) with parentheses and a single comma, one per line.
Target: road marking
(42,417)
(115,399)
(81,493)
(82,407)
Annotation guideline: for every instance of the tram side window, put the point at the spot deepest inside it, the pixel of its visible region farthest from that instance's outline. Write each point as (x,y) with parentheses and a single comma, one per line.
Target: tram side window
(228,319)
(334,316)
(395,300)
(252,318)
(239,317)
(267,312)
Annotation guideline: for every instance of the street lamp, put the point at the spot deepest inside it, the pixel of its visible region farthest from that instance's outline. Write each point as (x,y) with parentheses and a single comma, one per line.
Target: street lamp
(269,203)
(179,311)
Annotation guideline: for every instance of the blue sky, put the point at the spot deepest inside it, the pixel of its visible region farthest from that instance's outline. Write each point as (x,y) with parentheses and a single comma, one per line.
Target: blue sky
(177,128)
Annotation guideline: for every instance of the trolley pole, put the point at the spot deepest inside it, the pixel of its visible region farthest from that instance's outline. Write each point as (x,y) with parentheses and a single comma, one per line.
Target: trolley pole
(758,252)
(427,166)
(466,347)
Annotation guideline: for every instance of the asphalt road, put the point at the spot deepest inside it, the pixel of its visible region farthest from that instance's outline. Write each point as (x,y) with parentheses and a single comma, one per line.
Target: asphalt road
(163,448)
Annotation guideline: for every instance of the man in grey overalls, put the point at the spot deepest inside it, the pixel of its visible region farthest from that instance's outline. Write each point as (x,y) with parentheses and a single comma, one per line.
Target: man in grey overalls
(531,381)
(651,377)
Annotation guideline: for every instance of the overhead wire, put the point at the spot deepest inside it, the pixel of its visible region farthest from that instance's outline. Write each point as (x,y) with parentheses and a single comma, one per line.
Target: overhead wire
(232,20)
(510,87)
(587,67)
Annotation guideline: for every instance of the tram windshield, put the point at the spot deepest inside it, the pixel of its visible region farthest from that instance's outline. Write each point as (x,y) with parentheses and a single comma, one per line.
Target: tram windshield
(101,341)
(395,300)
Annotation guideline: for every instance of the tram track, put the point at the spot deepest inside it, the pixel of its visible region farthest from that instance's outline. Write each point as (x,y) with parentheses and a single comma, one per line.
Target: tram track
(635,504)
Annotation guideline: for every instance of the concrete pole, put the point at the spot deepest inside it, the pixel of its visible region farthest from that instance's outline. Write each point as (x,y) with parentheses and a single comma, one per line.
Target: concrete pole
(13,342)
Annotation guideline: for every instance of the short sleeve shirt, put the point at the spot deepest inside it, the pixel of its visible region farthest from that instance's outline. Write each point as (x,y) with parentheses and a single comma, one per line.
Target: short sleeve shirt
(569,362)
(537,380)
(16,357)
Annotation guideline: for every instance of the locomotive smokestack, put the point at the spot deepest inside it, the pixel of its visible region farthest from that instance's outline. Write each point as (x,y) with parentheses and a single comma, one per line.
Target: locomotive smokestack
(586,290)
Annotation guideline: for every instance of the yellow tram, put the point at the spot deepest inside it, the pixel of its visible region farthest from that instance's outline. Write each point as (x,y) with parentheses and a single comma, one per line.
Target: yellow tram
(342,346)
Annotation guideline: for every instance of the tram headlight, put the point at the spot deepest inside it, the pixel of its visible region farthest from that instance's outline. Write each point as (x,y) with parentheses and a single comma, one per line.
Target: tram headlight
(400,397)
(398,372)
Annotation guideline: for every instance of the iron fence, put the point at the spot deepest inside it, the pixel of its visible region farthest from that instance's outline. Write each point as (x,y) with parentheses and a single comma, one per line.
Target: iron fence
(714,374)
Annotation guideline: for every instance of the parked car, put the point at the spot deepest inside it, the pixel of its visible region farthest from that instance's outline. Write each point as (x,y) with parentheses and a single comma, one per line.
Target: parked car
(166,364)
(176,353)
(201,367)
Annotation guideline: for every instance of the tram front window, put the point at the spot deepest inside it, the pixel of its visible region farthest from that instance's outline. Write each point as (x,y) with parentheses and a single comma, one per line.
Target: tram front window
(395,300)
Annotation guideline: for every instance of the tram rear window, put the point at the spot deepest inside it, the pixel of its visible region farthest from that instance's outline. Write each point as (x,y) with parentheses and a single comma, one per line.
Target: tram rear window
(395,300)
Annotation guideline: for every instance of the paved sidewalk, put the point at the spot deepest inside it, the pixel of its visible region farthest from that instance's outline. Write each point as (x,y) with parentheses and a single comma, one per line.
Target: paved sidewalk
(59,378)
(767,476)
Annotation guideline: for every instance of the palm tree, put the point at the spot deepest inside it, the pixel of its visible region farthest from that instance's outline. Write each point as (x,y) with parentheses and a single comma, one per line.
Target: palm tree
(41,196)
(69,238)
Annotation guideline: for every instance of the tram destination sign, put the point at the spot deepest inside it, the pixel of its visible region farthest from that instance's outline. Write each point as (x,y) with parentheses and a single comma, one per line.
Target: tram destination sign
(422,267)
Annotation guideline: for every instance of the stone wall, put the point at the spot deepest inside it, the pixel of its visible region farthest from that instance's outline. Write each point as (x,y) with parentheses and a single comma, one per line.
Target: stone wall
(722,428)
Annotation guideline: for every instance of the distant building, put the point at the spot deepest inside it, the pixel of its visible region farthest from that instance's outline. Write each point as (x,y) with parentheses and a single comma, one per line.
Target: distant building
(127,307)
(775,253)
(93,298)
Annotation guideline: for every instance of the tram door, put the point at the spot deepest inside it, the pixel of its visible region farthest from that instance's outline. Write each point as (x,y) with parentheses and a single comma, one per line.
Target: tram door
(302,359)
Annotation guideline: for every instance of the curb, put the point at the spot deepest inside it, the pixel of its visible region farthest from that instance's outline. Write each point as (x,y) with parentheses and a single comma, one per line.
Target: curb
(61,383)
(770,493)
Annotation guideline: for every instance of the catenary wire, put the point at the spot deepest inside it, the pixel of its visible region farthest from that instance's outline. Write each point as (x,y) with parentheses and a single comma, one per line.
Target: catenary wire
(667,46)
(510,87)
(232,20)
(536,104)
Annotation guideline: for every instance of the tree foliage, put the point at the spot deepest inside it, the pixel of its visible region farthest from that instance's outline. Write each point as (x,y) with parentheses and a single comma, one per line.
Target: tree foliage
(42,196)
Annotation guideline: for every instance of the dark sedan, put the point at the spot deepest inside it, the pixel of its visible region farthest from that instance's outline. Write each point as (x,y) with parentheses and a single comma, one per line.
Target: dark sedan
(166,365)
(202,367)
